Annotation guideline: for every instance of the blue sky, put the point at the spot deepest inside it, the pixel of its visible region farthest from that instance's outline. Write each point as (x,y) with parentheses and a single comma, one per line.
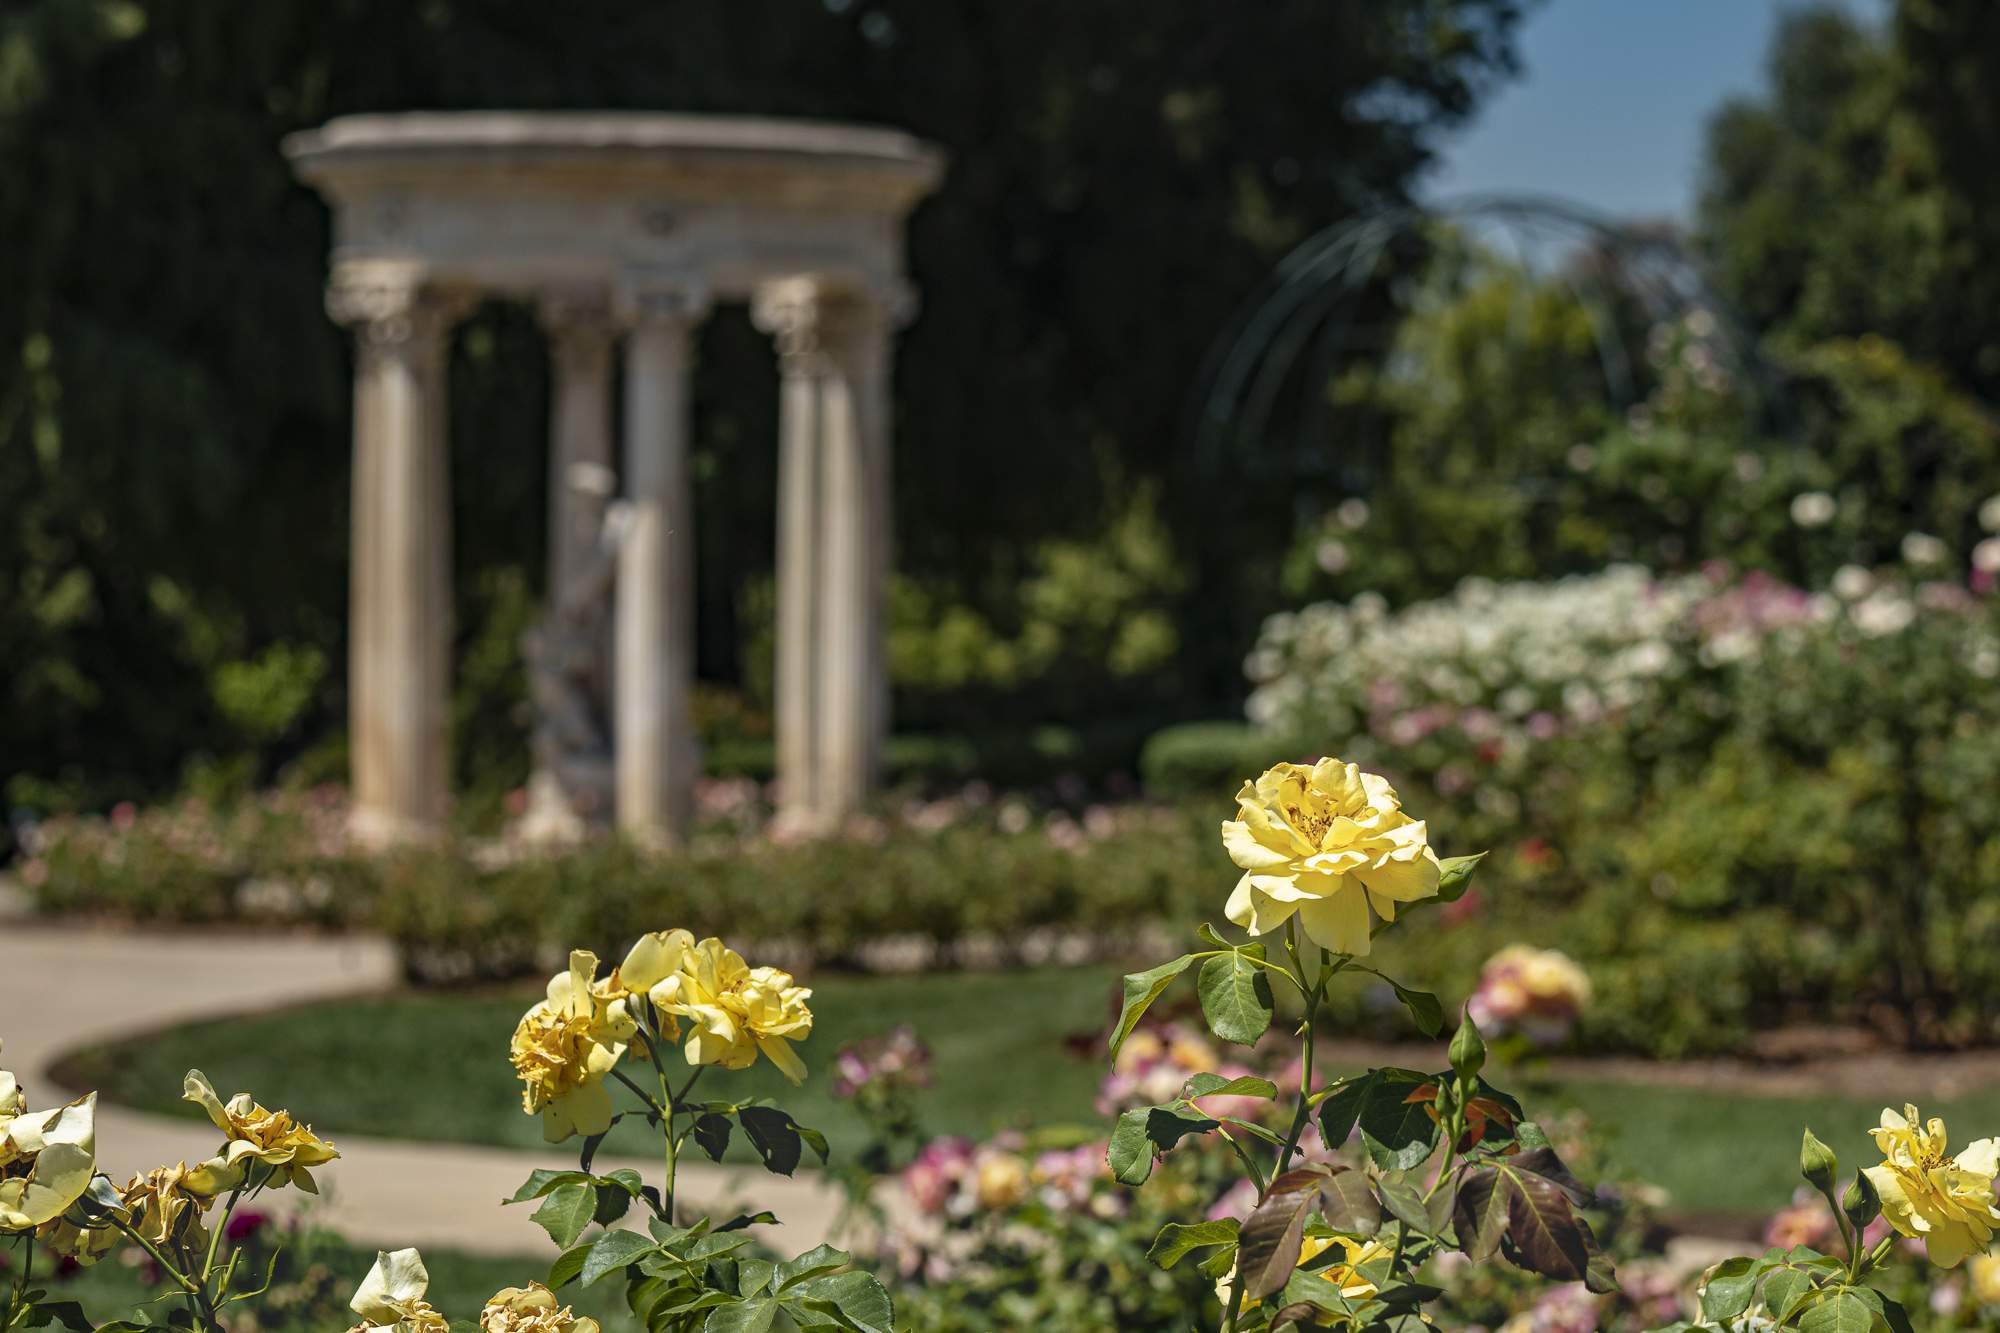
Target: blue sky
(1610,105)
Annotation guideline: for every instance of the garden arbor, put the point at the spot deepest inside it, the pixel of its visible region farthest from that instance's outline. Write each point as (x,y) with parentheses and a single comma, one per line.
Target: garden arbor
(622,229)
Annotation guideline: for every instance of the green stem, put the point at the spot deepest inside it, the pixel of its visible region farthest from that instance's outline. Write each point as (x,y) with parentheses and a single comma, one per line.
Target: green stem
(638,1091)
(1249,1162)
(196,1296)
(1305,1083)
(215,1236)
(17,1299)
(669,1106)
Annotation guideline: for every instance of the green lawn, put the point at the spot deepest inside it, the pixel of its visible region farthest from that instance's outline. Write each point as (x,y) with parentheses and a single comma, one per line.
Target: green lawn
(434,1065)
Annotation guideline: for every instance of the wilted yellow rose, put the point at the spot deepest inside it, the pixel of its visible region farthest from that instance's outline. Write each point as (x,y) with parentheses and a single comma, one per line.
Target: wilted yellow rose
(735,1011)
(1947,1202)
(1345,1273)
(166,1204)
(255,1135)
(531,1309)
(83,1245)
(563,1048)
(46,1161)
(1328,843)
(392,1296)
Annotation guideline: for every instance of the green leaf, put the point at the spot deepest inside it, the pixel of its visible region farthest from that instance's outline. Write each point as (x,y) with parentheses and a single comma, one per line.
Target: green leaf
(613,1252)
(567,1211)
(1784,1291)
(1142,1133)
(1424,1008)
(861,1300)
(1235,997)
(778,1138)
(1404,1204)
(568,1264)
(711,1134)
(1179,1239)
(1399,1134)
(1215,1085)
(1341,1108)
(542,1180)
(1141,989)
(1842,1313)
(1529,1134)
(814,1262)
(766,1218)
(1455,876)
(752,1316)
(613,1202)
(1730,1288)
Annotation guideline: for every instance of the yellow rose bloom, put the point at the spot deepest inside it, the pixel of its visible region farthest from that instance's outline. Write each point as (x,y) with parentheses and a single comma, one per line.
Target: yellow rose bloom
(1947,1202)
(531,1309)
(391,1297)
(1328,843)
(735,1011)
(46,1161)
(273,1138)
(1345,1274)
(1984,1271)
(563,1048)
(1000,1180)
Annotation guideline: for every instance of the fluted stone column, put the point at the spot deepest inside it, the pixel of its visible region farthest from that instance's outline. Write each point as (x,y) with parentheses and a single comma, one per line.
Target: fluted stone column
(833,544)
(657,756)
(399,653)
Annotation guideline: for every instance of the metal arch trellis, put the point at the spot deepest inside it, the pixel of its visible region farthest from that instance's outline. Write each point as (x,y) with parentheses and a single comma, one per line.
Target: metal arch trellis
(1289,336)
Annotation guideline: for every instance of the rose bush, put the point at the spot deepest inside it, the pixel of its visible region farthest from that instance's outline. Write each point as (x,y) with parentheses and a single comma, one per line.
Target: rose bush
(673,1002)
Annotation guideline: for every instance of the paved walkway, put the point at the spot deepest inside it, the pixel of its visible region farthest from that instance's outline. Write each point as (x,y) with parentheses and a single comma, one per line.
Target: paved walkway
(62,989)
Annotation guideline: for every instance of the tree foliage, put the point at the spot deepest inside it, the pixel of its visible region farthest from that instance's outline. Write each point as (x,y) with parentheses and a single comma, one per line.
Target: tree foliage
(173,403)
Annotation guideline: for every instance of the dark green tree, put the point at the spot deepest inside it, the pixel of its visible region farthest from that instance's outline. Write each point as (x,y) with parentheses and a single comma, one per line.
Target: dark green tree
(173,410)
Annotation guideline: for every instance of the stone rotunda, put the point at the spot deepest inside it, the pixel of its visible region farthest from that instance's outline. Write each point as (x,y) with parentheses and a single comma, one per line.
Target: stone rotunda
(622,230)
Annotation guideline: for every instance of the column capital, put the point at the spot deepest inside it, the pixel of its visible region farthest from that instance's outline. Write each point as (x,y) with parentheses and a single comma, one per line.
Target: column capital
(810,318)
(580,325)
(392,311)
(644,301)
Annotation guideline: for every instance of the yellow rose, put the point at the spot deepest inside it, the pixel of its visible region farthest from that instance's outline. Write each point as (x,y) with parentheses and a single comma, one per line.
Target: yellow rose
(735,1011)
(563,1048)
(391,1297)
(1329,843)
(1947,1202)
(254,1135)
(1550,974)
(1345,1274)
(46,1161)
(1985,1273)
(531,1309)
(1000,1180)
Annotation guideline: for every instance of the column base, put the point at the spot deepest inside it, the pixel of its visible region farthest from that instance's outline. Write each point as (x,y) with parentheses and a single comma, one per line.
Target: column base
(379,830)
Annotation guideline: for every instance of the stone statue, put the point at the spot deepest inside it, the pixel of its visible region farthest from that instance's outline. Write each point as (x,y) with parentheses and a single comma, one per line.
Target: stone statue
(569,673)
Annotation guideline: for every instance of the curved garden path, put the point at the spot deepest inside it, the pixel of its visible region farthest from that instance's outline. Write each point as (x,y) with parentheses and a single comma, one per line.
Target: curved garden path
(64,988)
